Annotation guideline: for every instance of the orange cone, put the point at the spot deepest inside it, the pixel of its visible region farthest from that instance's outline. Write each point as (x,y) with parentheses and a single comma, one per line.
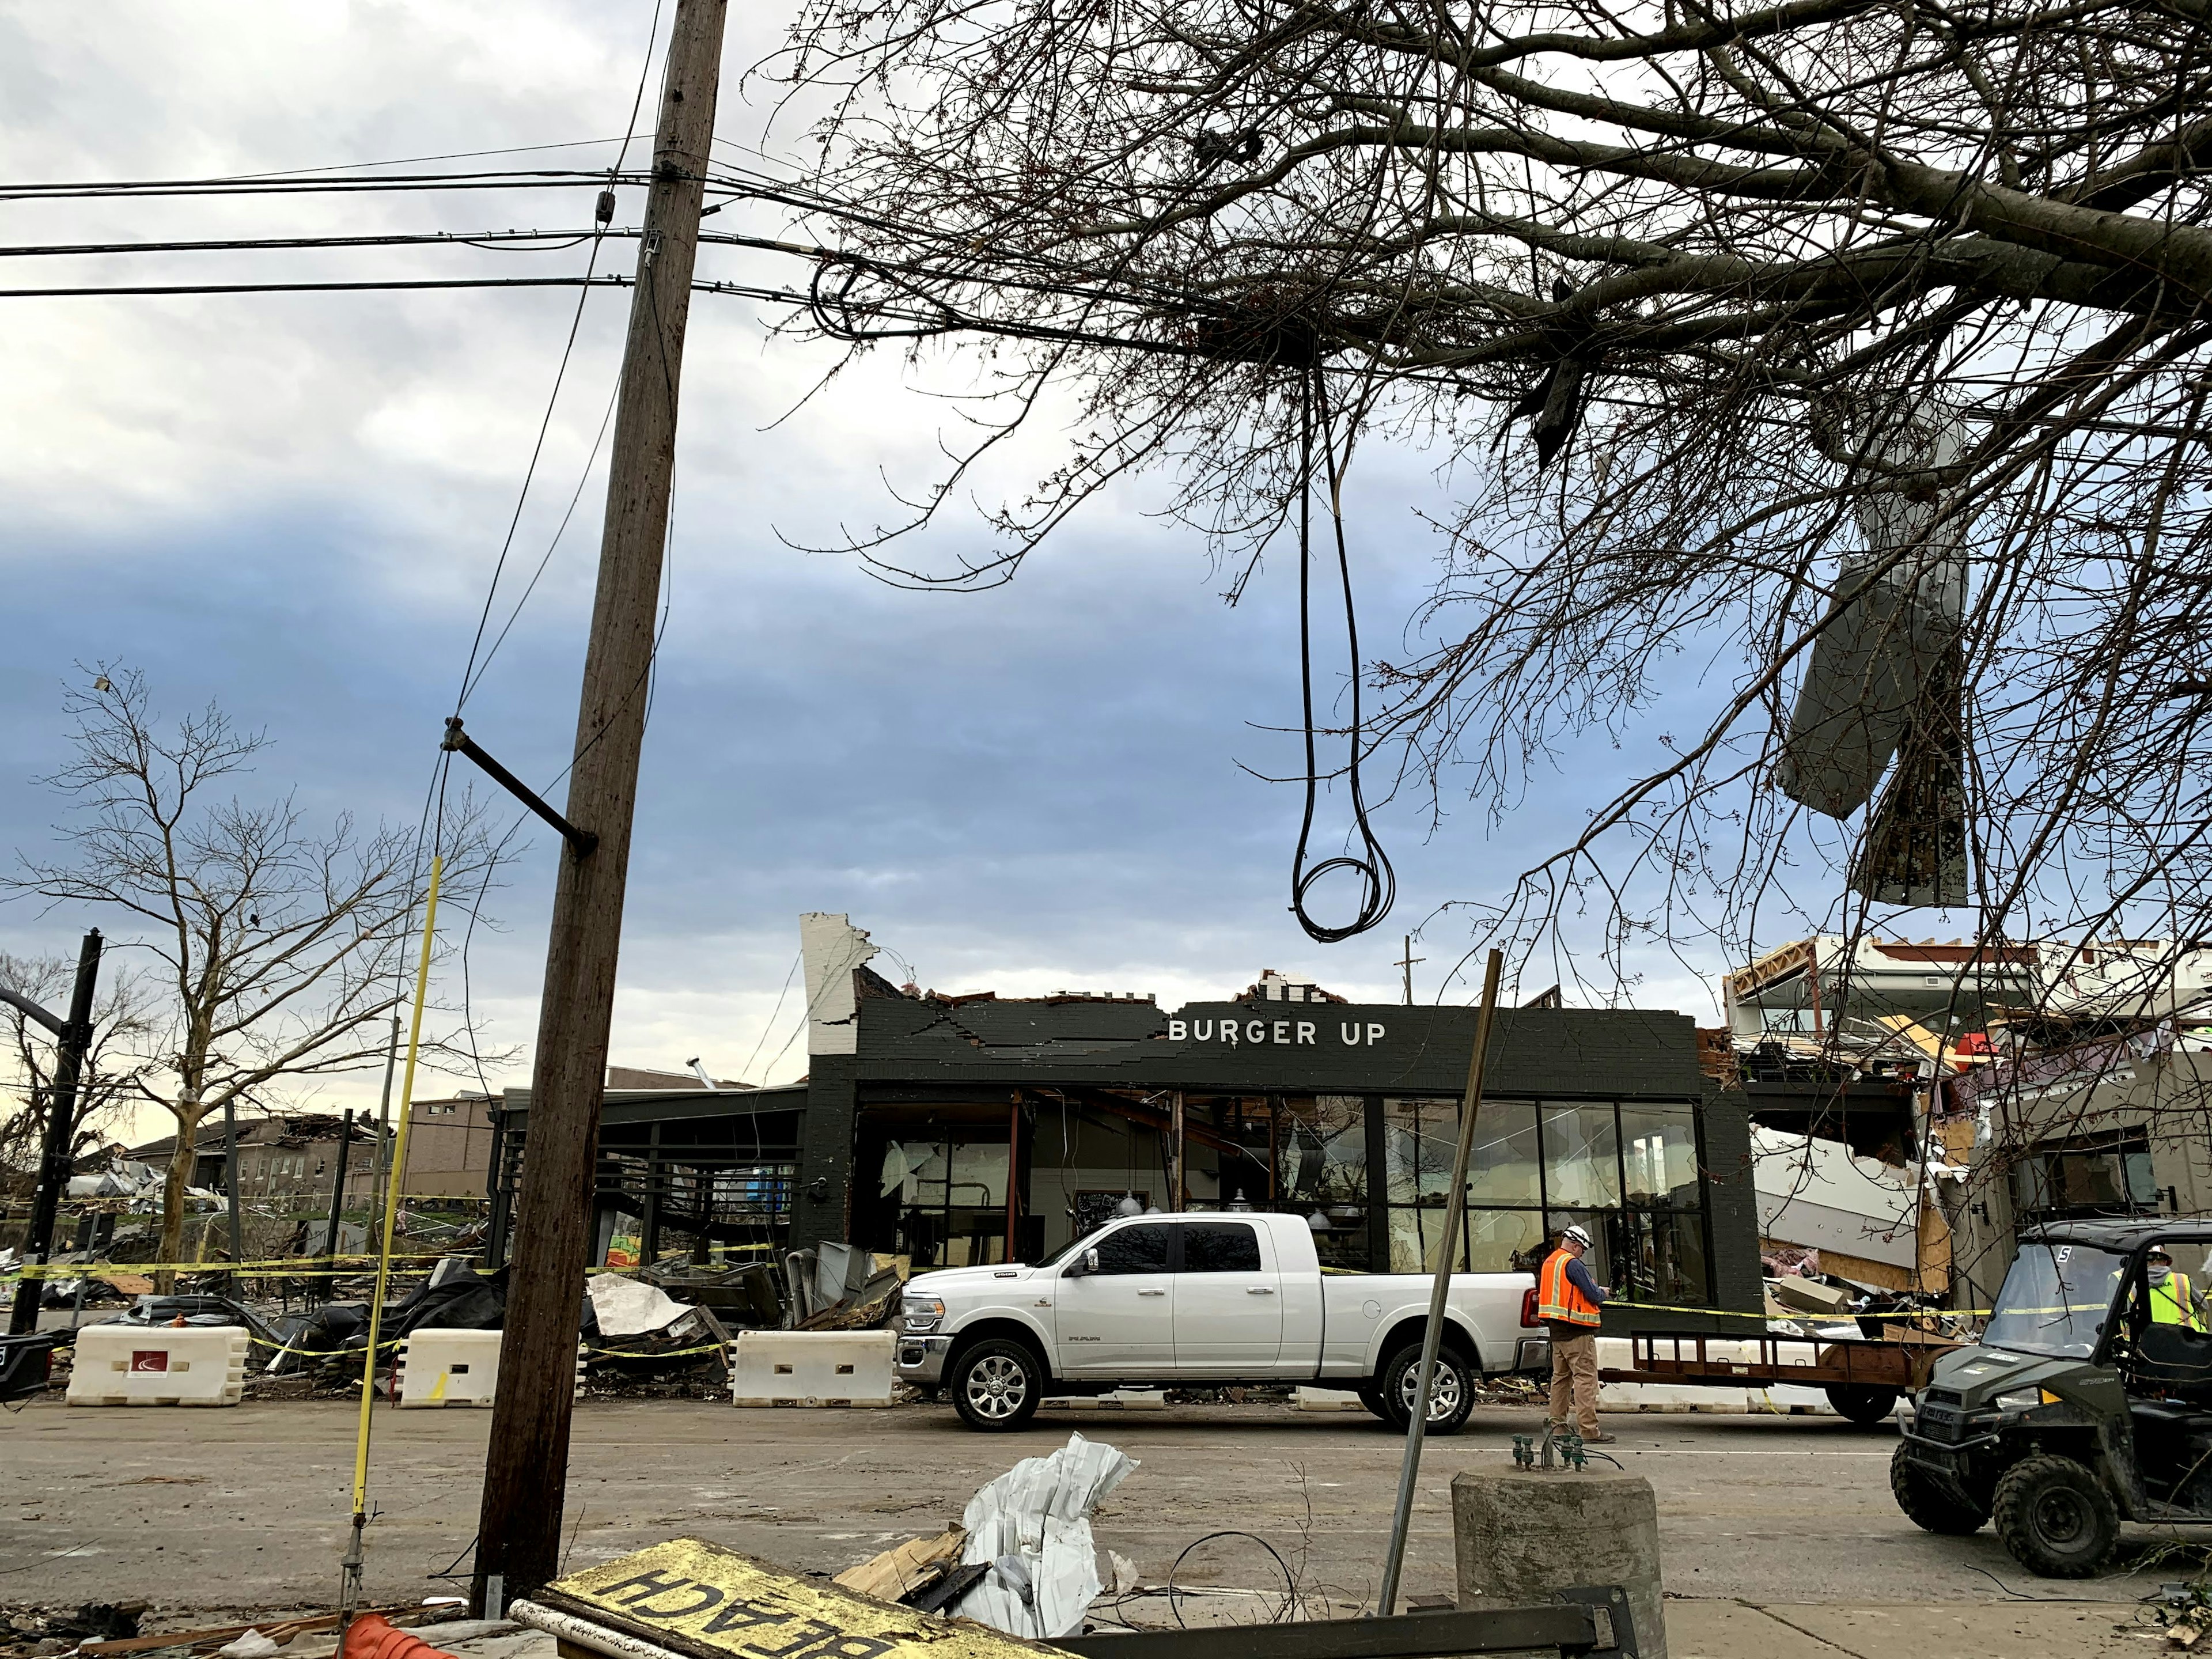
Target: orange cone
(369,1636)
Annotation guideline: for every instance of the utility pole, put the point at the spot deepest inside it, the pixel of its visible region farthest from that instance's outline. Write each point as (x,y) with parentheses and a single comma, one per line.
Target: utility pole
(337,1191)
(230,1183)
(1406,962)
(73,1038)
(526,1470)
(383,1127)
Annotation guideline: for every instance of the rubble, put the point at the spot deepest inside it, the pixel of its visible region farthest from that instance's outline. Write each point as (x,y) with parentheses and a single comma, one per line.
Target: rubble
(1031,1527)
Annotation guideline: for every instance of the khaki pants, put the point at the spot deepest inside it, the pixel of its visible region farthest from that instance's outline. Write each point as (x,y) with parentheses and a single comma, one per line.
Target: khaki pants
(1574,1382)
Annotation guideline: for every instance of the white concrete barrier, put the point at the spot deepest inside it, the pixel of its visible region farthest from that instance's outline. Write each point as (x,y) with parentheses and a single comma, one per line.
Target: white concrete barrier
(455,1368)
(812,1368)
(159,1365)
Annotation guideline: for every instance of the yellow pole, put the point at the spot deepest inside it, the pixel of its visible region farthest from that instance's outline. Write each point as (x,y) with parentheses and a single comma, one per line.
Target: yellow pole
(352,1564)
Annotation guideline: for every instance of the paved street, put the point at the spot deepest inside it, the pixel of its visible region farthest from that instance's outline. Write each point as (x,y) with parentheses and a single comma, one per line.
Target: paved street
(245,1509)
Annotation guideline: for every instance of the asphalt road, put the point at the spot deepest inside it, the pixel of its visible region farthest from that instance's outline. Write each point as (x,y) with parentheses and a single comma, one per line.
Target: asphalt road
(209,1509)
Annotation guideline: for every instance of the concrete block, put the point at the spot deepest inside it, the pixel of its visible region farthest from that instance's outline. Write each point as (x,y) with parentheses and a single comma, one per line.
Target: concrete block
(812,1368)
(159,1365)
(455,1368)
(1122,1400)
(1326,1400)
(1519,1534)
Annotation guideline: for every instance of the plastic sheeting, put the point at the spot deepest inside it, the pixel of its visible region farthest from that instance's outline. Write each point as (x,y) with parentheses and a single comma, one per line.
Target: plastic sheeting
(626,1307)
(1033,1525)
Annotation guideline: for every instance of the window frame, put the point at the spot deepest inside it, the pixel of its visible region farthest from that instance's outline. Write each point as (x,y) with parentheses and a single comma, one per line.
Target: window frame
(1379,1174)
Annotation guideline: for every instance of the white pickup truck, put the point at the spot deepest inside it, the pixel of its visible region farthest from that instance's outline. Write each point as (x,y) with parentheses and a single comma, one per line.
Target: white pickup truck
(1214,1299)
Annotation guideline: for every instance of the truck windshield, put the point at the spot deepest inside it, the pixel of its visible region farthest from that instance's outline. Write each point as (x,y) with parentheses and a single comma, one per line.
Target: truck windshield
(2056,1299)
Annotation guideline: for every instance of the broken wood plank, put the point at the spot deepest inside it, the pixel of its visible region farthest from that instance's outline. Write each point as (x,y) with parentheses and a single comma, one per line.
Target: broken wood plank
(897,1573)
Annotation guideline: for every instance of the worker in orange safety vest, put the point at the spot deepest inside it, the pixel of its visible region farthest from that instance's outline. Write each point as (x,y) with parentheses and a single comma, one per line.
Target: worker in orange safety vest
(1568,1297)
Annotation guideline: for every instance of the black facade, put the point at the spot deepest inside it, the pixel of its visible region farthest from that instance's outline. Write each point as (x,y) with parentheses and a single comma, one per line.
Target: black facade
(972,1130)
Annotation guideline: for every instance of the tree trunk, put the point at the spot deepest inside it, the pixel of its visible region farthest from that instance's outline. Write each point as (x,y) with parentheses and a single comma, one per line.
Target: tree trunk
(172,1196)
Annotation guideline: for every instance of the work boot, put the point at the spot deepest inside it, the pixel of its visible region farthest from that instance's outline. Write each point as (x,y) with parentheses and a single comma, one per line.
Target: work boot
(1600,1439)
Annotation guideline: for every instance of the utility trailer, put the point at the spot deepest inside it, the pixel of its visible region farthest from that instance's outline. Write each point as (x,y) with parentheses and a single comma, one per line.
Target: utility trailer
(1863,1378)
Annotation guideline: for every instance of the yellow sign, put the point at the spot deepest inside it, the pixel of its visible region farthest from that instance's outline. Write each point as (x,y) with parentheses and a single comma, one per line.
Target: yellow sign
(702,1600)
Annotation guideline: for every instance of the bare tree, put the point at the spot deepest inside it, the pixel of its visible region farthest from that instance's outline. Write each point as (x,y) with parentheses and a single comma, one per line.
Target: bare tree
(1724,323)
(279,950)
(108,1083)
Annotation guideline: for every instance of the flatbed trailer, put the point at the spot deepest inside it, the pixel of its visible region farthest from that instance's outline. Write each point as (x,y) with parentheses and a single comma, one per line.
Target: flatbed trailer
(1863,1377)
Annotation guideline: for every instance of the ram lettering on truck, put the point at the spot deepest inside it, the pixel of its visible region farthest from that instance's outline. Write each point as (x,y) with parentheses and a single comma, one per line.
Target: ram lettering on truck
(1216,1298)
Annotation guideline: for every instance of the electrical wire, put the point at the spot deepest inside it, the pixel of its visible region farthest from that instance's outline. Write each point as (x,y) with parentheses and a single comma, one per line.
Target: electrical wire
(1378,881)
(95,190)
(470,675)
(769,1025)
(384,285)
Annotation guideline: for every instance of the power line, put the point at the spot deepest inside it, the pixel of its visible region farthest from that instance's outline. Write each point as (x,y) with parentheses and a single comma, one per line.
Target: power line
(142,288)
(537,178)
(556,239)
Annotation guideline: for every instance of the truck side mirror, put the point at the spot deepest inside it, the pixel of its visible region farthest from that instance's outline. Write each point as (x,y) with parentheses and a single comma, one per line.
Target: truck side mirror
(1085,1263)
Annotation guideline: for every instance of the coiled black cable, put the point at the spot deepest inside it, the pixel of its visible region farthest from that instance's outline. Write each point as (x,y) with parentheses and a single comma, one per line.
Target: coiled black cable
(1378,881)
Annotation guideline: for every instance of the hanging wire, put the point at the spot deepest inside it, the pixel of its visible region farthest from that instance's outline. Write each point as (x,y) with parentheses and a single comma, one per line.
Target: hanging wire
(1378,888)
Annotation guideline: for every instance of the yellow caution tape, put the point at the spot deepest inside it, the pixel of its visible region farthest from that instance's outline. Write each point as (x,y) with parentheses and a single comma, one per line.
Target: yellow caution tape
(301,1266)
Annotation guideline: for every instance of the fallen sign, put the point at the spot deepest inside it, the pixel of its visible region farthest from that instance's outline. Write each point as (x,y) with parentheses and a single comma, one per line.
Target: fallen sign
(699,1601)
(690,1600)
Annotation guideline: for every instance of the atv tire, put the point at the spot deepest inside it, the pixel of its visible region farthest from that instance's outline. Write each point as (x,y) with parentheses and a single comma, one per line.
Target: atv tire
(2056,1517)
(1926,1504)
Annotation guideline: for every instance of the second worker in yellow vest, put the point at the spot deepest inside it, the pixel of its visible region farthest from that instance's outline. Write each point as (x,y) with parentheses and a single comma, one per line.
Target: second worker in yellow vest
(2172,1300)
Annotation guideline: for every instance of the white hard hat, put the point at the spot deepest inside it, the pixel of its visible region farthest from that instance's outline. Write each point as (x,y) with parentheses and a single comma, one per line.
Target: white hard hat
(1576,1233)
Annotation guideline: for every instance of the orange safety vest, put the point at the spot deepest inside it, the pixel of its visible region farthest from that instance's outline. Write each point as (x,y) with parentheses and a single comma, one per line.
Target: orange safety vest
(1559,1297)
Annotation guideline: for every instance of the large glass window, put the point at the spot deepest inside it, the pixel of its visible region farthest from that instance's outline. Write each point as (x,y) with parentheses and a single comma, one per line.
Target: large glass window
(1659,1155)
(1581,1156)
(950,1200)
(1627,1172)
(1319,1149)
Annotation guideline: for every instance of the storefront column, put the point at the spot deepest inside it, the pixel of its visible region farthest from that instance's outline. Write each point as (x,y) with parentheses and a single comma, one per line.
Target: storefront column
(1379,1187)
(1013,1169)
(1174,1134)
(820,1205)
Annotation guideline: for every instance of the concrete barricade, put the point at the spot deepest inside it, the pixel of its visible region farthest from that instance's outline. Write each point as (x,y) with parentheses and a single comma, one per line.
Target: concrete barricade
(1519,1534)
(448,1368)
(159,1365)
(455,1368)
(812,1368)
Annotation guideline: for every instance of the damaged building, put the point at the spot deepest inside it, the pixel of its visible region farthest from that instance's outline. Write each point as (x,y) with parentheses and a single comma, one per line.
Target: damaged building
(1914,1105)
(963,1129)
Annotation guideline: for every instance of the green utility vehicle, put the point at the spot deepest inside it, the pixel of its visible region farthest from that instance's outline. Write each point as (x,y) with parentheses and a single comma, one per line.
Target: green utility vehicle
(2077,1409)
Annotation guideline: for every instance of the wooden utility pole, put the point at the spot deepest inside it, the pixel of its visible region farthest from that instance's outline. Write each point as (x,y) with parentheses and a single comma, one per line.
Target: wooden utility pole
(526,1470)
(73,1041)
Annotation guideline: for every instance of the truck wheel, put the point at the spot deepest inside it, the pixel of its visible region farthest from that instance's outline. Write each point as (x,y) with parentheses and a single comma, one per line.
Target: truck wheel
(996,1384)
(2056,1517)
(1452,1395)
(1862,1406)
(1926,1504)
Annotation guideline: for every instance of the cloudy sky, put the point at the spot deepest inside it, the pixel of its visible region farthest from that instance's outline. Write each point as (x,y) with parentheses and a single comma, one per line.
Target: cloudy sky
(293,504)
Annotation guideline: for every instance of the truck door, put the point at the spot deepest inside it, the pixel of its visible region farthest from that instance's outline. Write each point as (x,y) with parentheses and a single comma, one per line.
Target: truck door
(1227,1301)
(1119,1321)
